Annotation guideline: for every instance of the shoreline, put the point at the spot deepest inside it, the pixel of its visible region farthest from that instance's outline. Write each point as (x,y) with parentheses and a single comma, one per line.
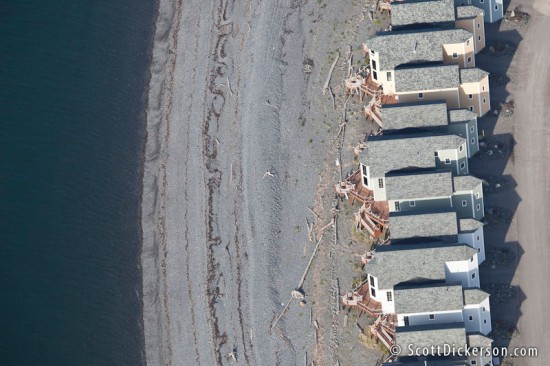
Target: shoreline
(153,156)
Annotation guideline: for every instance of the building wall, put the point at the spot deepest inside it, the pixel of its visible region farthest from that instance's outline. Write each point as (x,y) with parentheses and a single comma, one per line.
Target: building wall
(440,317)
(469,131)
(450,95)
(465,53)
(494,9)
(475,240)
(375,61)
(453,159)
(479,102)
(464,204)
(433,203)
(466,272)
(481,317)
(477,28)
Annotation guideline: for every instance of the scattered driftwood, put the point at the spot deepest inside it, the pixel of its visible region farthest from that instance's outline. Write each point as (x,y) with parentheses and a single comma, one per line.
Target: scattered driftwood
(229,86)
(313,212)
(268,173)
(294,293)
(332,96)
(325,87)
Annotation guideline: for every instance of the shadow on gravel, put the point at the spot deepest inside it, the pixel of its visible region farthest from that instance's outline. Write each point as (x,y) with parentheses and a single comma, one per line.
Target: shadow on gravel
(500,196)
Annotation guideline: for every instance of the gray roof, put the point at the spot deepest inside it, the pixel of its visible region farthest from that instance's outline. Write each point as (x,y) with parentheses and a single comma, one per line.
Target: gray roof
(464,12)
(461,115)
(479,340)
(426,78)
(428,299)
(425,11)
(397,264)
(471,75)
(469,225)
(424,225)
(406,47)
(474,296)
(407,115)
(465,183)
(426,336)
(384,154)
(419,185)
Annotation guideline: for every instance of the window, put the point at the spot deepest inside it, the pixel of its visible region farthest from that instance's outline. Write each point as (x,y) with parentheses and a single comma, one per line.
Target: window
(472,129)
(473,275)
(396,206)
(483,309)
(467,42)
(496,7)
(371,279)
(470,318)
(472,259)
(365,181)
(420,95)
(469,59)
(470,96)
(483,88)
(471,109)
(478,25)
(477,195)
(478,207)
(412,203)
(447,161)
(482,1)
(473,362)
(374,64)
(455,55)
(406,320)
(436,154)
(477,238)
(484,100)
(473,140)
(461,147)
(462,165)
(374,75)
(373,292)
(389,296)
(388,75)
(380,182)
(484,321)
(432,317)
(479,37)
(372,52)
(364,167)
(464,203)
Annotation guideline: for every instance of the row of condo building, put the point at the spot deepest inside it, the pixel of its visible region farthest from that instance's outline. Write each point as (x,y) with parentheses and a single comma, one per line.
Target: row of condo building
(428,276)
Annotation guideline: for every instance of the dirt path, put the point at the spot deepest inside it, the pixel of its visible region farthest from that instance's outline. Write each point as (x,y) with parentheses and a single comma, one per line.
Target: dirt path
(531,156)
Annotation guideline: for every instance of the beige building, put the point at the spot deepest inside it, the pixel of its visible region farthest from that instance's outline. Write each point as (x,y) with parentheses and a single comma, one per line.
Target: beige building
(390,50)
(471,18)
(460,88)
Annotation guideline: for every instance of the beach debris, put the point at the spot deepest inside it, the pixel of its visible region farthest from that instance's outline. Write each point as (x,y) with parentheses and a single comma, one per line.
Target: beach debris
(499,257)
(496,217)
(499,48)
(500,292)
(516,18)
(308,65)
(495,184)
(233,355)
(268,174)
(325,87)
(492,150)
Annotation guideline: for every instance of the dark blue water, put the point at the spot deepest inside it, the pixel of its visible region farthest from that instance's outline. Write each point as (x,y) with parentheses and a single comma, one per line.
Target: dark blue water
(73,77)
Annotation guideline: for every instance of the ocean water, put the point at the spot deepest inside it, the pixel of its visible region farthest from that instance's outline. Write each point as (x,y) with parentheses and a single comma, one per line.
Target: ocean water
(73,78)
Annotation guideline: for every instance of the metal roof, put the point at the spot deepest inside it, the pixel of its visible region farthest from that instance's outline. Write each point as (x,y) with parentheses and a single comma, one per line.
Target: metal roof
(427,77)
(408,47)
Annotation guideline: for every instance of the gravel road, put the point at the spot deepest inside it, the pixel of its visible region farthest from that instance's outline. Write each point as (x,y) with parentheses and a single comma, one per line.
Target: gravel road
(230,167)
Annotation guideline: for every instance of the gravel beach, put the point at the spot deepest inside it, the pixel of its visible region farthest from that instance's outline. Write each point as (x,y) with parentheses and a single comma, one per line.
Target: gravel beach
(234,155)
